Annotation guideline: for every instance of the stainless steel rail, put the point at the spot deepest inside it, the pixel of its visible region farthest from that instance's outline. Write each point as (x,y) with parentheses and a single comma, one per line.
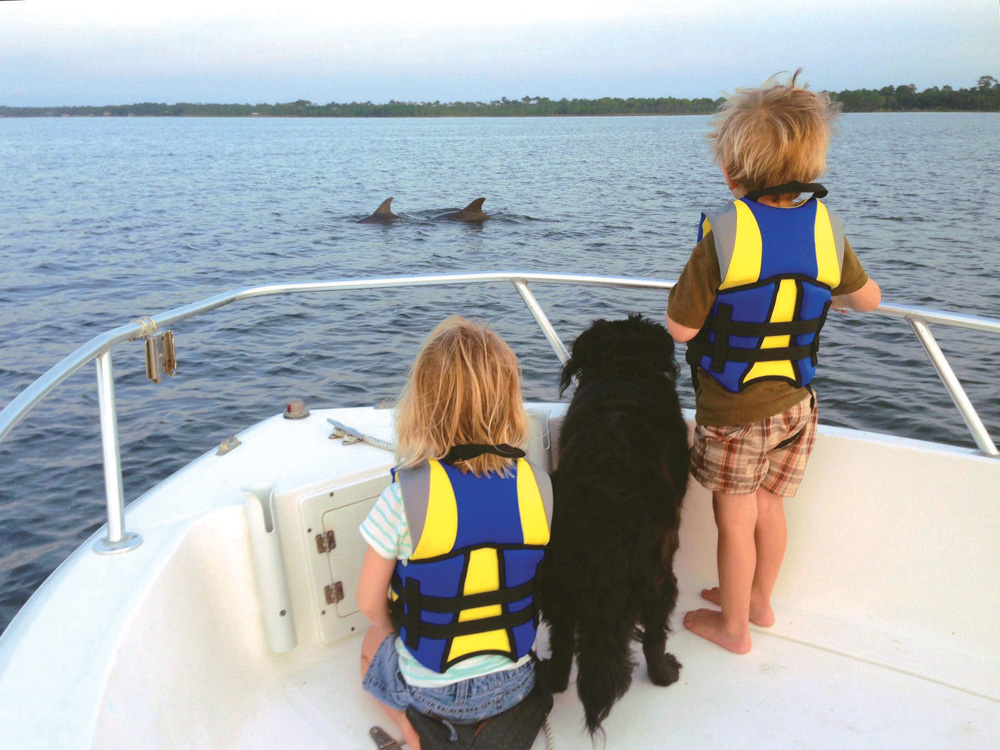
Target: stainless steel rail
(99,350)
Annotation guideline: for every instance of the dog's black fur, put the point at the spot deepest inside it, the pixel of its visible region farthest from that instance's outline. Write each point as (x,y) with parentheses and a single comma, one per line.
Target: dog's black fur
(621,476)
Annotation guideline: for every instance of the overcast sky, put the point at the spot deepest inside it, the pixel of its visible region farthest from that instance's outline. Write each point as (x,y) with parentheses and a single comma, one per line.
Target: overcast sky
(73,52)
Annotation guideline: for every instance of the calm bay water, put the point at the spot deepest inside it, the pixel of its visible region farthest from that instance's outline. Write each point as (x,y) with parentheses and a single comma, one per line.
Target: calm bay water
(105,220)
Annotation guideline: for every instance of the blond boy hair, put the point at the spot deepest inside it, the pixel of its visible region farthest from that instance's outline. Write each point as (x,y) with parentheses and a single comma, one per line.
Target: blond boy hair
(464,387)
(778,133)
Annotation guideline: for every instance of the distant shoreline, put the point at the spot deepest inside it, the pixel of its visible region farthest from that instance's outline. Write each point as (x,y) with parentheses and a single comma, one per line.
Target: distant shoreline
(7,116)
(984,97)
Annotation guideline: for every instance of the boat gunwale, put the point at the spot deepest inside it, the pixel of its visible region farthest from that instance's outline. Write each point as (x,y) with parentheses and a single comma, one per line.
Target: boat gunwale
(99,348)
(21,405)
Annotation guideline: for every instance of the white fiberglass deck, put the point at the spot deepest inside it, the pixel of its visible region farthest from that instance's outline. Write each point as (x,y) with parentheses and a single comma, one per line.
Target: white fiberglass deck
(785,694)
(886,633)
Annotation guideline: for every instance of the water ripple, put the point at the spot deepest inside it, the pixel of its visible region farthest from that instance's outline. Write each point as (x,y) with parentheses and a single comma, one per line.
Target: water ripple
(114,219)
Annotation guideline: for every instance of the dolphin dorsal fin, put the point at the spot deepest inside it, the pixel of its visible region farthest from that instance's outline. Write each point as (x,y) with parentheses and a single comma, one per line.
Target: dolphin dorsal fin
(384,207)
(476,205)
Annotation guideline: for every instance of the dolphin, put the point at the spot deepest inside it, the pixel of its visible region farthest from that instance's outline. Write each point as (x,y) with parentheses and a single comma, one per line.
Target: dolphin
(472,212)
(383,214)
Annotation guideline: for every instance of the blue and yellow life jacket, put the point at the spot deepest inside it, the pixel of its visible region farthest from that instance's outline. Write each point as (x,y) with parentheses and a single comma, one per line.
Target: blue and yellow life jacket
(468,588)
(778,267)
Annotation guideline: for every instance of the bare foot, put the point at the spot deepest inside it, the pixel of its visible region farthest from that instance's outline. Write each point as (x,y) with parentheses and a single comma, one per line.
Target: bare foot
(709,624)
(761,614)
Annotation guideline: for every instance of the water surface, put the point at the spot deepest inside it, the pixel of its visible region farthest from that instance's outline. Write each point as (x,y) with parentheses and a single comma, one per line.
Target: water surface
(105,220)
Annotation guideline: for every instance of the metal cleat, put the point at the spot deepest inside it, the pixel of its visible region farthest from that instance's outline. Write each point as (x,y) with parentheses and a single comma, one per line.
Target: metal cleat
(227,445)
(352,436)
(382,739)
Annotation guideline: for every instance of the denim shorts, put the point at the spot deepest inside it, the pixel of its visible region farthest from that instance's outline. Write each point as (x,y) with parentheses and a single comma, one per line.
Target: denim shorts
(464,702)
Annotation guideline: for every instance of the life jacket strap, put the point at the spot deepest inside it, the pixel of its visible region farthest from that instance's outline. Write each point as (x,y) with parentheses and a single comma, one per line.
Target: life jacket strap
(471,450)
(760,330)
(817,190)
(724,326)
(411,615)
(407,610)
(775,354)
(506,621)
(451,604)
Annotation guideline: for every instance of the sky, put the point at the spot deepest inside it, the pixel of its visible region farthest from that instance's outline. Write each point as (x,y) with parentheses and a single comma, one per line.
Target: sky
(99,52)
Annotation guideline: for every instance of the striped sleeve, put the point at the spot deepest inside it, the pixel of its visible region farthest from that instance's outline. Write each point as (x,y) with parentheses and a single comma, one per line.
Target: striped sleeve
(385,529)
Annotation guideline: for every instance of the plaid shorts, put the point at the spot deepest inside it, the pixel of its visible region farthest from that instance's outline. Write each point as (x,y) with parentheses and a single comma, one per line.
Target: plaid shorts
(772,453)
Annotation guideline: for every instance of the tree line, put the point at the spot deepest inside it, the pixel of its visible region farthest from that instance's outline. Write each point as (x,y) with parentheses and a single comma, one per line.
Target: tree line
(984,97)
(529,106)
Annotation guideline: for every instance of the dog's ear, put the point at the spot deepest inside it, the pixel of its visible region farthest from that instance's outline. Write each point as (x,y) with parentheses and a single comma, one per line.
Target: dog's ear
(663,354)
(655,342)
(582,353)
(569,370)
(572,366)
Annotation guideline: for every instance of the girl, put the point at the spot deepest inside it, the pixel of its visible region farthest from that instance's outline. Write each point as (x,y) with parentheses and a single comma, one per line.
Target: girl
(455,541)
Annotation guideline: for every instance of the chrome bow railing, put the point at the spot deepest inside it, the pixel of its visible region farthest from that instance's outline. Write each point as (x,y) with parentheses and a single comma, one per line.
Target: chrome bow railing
(98,349)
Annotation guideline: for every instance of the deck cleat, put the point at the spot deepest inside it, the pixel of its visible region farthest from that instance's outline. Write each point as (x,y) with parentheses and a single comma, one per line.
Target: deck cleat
(382,739)
(227,445)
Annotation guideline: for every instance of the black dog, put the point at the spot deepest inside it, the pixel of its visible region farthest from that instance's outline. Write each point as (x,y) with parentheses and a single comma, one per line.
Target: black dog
(621,476)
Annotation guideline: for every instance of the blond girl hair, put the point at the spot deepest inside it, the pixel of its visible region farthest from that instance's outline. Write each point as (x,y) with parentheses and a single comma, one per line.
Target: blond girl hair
(464,387)
(774,134)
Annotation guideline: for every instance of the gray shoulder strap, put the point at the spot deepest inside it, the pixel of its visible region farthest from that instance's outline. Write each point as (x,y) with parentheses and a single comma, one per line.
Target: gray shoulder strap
(723,221)
(415,487)
(544,482)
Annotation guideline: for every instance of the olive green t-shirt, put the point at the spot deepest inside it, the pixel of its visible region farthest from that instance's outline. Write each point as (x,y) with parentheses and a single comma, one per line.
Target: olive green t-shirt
(689,304)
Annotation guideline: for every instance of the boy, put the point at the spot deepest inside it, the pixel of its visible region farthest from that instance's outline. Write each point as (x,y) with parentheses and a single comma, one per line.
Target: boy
(751,301)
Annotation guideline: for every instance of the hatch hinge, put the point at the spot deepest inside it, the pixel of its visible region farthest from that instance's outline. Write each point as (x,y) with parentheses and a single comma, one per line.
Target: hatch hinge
(326,542)
(334,593)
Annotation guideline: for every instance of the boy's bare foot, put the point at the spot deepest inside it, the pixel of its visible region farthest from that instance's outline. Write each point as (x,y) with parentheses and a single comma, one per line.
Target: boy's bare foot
(709,624)
(760,614)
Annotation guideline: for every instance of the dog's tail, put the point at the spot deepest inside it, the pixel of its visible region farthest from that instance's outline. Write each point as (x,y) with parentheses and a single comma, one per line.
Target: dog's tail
(604,664)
